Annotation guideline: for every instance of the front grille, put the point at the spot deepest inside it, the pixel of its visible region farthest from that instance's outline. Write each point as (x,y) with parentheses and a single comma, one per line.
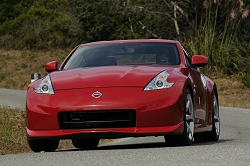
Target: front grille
(97,119)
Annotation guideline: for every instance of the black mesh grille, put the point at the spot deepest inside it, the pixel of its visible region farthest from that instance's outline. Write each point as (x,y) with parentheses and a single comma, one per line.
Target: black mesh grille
(97,119)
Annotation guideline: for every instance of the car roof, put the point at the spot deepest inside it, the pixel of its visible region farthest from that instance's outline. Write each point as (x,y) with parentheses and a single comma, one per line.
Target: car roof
(131,41)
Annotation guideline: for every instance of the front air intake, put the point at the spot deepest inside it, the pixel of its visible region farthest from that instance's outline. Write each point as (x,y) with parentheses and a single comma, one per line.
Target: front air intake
(97,119)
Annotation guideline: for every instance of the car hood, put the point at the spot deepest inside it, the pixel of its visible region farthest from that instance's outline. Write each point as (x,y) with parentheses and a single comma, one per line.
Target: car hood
(106,76)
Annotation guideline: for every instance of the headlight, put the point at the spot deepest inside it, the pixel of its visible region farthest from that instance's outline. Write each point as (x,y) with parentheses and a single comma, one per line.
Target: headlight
(159,82)
(45,86)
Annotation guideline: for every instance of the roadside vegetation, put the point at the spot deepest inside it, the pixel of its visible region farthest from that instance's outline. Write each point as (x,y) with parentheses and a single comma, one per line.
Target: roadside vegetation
(12,131)
(16,66)
(34,32)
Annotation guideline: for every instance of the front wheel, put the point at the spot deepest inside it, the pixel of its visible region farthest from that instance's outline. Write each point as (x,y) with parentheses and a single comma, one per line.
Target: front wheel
(214,134)
(47,145)
(186,138)
(188,135)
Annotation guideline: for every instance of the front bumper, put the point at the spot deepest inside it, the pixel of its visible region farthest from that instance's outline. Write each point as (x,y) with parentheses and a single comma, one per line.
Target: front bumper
(158,112)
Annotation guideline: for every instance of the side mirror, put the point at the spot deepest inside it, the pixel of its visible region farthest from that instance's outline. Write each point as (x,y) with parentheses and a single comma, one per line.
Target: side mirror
(35,76)
(51,66)
(199,61)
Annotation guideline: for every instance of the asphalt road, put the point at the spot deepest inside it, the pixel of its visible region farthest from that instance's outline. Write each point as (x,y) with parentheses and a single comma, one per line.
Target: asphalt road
(12,98)
(233,148)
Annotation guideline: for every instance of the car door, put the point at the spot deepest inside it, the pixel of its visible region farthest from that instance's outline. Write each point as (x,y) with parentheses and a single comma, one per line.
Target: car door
(199,92)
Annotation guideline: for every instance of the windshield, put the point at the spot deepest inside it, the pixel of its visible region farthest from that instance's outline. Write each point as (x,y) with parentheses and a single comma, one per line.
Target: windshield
(124,54)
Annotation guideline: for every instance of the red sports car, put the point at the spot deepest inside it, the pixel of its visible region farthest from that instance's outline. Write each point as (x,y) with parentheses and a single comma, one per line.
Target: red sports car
(123,88)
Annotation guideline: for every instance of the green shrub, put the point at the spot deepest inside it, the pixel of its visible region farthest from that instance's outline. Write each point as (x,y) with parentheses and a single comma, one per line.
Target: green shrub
(246,79)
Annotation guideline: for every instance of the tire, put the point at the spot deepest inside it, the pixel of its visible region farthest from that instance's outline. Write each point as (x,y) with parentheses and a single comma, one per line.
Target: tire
(214,134)
(187,137)
(171,140)
(47,145)
(85,143)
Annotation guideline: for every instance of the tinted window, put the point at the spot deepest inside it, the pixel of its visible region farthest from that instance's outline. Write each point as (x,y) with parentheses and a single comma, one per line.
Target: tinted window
(187,56)
(124,54)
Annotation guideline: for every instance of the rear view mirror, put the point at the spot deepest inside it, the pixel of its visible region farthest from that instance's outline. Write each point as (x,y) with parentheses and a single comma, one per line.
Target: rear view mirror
(51,66)
(199,61)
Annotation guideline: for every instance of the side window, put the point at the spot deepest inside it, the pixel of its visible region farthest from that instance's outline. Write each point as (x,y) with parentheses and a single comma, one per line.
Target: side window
(187,56)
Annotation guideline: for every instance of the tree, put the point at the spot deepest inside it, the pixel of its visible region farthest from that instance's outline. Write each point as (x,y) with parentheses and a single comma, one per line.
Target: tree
(170,17)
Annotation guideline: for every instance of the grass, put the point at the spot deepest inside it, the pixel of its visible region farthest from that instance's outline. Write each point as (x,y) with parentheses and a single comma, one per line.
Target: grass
(12,131)
(16,67)
(232,92)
